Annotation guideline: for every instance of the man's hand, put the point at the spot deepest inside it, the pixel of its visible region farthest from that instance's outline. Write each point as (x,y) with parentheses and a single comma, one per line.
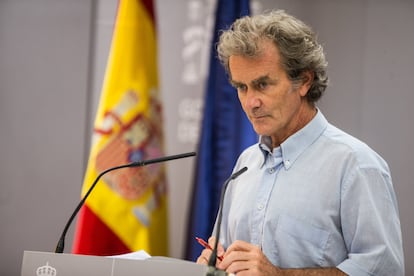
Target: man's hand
(206,253)
(247,259)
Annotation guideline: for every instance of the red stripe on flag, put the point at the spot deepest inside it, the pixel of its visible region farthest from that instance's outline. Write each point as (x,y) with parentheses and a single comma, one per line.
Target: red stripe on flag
(97,238)
(149,6)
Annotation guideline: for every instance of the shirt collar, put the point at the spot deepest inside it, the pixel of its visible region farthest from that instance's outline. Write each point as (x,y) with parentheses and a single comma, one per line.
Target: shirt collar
(298,142)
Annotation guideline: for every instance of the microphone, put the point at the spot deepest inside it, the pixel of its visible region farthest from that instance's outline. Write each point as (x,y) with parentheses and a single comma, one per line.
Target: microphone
(61,243)
(213,257)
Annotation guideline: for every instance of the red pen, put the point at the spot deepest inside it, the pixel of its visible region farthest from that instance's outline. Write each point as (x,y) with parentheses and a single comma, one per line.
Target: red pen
(206,245)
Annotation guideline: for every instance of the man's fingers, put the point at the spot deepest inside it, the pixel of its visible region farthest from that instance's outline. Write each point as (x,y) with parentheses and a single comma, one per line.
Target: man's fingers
(204,257)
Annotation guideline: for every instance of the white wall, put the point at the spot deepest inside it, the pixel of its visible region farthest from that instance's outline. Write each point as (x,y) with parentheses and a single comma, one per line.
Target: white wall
(44,101)
(52,60)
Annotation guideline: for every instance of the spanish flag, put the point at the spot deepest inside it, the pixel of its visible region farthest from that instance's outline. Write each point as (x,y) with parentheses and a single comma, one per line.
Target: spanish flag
(127,210)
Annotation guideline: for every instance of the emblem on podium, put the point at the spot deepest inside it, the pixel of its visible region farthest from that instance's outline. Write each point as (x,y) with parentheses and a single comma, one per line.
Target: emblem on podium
(46,270)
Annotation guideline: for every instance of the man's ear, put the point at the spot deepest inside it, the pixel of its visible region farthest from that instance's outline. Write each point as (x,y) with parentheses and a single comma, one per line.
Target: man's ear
(307,79)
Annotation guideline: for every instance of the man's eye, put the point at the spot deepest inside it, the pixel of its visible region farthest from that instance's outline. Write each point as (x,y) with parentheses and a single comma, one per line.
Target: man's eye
(262,85)
(241,87)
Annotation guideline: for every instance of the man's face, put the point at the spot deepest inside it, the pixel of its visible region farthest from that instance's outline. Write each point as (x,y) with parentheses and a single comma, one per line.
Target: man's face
(274,106)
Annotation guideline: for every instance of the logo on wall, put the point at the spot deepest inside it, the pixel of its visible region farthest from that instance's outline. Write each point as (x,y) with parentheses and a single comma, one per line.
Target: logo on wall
(196,38)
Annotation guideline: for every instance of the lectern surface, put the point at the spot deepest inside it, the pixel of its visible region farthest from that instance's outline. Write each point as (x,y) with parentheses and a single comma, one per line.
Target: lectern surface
(52,264)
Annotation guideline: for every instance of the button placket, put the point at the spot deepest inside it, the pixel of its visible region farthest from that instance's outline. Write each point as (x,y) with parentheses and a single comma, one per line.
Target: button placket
(263,194)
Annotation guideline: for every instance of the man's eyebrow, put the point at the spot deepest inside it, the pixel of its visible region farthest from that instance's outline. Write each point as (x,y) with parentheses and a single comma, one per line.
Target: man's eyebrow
(261,79)
(253,82)
(235,83)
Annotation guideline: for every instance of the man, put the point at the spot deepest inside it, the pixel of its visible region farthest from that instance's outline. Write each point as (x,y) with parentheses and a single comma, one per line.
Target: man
(314,200)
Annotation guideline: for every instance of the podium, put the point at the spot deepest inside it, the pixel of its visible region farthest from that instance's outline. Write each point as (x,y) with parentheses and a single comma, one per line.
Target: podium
(52,264)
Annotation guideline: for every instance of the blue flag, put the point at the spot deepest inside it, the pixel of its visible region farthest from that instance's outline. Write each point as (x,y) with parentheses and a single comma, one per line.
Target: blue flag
(225,132)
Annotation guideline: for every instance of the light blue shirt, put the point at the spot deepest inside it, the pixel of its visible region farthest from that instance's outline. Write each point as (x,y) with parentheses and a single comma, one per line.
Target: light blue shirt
(321,199)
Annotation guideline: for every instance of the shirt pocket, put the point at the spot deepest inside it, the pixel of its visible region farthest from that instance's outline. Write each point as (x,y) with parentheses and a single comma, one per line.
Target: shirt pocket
(299,244)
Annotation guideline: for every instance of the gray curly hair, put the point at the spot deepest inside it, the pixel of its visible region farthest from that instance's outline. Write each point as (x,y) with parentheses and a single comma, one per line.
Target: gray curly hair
(296,42)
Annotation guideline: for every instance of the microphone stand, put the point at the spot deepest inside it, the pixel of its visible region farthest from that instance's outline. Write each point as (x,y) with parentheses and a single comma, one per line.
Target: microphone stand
(61,243)
(212,270)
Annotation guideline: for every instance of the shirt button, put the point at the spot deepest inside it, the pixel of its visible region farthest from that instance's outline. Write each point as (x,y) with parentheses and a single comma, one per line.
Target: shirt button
(287,162)
(260,206)
(271,170)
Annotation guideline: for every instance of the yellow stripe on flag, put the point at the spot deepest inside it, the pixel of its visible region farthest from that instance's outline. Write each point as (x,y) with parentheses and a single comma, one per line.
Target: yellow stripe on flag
(131,202)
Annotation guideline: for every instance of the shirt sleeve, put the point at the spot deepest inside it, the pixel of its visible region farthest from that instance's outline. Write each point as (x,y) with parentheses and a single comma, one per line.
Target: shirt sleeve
(370,224)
